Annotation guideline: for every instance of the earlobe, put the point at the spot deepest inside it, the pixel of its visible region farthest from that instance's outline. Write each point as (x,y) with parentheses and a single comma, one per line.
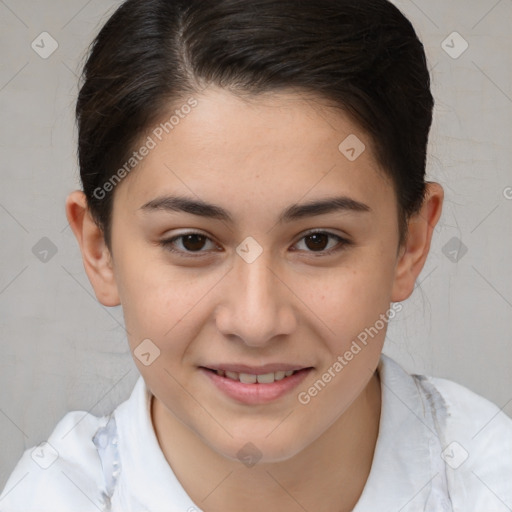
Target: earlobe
(413,255)
(95,254)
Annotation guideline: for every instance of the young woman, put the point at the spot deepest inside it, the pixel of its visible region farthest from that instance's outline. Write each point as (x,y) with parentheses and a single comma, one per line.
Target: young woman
(254,197)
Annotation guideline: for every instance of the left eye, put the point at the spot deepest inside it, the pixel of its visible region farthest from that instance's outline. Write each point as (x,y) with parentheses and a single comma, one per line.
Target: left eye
(316,241)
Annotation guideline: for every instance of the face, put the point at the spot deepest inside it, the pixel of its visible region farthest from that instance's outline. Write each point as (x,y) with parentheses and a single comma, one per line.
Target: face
(260,284)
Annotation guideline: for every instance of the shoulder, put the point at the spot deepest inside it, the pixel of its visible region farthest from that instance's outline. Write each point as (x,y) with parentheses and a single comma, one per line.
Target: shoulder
(476,440)
(62,473)
(469,414)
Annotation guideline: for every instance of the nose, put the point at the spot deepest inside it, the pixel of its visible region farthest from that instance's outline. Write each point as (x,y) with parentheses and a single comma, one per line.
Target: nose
(256,304)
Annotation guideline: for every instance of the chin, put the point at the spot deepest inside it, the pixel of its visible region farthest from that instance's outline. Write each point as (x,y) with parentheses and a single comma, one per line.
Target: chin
(260,448)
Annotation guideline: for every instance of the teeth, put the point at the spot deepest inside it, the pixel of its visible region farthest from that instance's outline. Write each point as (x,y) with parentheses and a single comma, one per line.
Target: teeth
(249,378)
(265,378)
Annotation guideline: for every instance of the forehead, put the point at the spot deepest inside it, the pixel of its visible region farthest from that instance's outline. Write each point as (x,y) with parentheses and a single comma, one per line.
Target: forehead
(268,149)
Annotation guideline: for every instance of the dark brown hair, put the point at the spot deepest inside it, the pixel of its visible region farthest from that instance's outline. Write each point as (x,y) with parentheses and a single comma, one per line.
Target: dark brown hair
(362,56)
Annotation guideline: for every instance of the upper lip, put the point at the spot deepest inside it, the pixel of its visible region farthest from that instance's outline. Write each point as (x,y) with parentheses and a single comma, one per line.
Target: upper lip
(255,370)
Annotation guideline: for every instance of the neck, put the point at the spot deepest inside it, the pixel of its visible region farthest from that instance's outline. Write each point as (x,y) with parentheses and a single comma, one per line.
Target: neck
(328,475)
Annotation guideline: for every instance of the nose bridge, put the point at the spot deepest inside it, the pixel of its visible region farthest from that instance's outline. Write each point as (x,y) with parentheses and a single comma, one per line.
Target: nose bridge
(254,308)
(257,283)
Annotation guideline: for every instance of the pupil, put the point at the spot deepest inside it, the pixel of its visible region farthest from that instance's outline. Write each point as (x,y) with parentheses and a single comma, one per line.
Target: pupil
(193,238)
(319,241)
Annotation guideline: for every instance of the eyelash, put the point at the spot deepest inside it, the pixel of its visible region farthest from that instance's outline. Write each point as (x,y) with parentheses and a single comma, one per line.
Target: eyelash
(342,243)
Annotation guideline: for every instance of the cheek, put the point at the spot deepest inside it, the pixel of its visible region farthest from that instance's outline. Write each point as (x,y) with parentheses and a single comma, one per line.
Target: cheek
(352,297)
(355,306)
(160,302)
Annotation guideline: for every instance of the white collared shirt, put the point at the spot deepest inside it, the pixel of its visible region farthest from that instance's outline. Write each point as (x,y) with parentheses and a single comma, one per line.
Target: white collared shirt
(440,448)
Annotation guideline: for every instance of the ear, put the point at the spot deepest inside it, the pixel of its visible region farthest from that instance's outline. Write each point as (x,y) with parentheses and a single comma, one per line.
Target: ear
(95,254)
(416,248)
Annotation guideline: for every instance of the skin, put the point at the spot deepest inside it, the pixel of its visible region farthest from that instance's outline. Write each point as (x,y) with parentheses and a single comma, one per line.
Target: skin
(292,304)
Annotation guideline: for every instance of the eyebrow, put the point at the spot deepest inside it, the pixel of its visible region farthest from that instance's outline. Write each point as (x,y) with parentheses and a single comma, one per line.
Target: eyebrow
(292,213)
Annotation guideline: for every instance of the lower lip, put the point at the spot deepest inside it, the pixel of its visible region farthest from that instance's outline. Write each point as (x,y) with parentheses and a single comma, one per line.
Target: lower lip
(257,393)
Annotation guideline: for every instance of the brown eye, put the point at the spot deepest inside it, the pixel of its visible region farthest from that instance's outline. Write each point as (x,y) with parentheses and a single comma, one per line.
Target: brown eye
(192,244)
(319,242)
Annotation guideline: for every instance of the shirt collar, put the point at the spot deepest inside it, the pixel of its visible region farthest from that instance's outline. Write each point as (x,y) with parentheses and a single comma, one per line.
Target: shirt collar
(407,463)
(146,477)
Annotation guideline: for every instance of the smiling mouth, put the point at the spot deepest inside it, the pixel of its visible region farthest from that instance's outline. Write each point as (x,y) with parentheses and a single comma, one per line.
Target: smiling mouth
(249,378)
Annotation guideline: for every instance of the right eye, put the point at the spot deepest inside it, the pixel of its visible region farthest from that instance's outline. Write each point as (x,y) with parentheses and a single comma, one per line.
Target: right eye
(191,244)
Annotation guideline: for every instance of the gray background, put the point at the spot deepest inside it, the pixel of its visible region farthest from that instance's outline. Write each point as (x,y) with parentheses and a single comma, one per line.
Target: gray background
(61,350)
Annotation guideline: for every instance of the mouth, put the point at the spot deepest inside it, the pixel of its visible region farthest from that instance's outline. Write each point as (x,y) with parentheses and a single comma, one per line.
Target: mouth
(255,378)
(256,386)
